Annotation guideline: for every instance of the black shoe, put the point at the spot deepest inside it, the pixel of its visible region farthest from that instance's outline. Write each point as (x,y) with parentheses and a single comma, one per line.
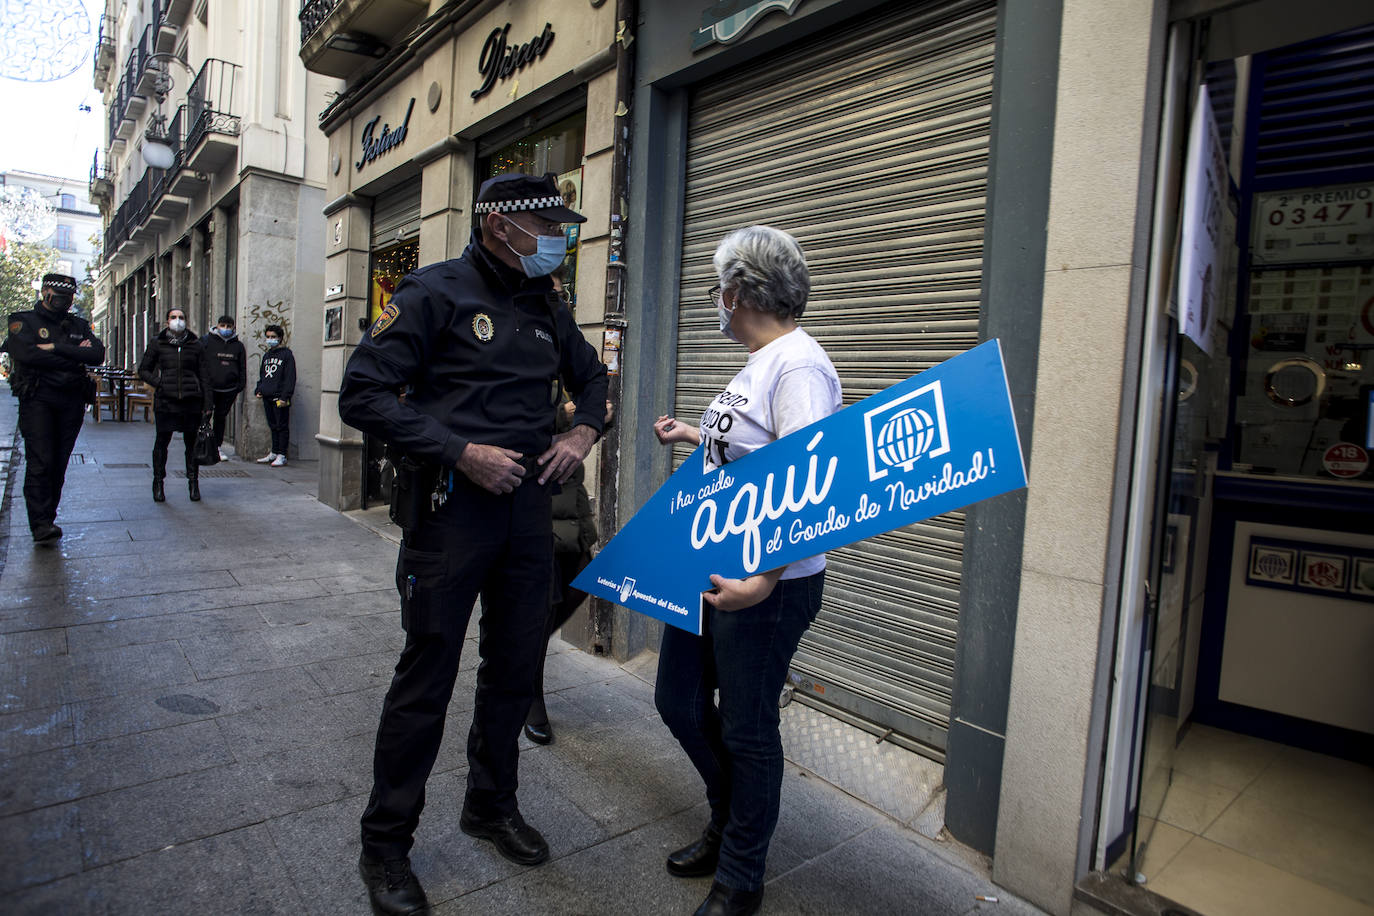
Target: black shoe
(726,901)
(512,837)
(158,495)
(46,534)
(695,860)
(392,887)
(194,486)
(539,732)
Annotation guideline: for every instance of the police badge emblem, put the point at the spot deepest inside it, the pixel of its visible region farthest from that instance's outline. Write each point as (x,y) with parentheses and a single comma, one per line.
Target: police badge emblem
(43,333)
(482,327)
(385,319)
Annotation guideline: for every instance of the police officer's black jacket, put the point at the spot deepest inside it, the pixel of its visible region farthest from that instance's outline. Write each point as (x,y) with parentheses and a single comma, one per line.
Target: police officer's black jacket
(481,346)
(59,373)
(226,362)
(177,368)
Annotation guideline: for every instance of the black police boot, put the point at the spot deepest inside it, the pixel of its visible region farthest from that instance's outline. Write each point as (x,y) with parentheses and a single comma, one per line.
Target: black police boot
(696,859)
(727,901)
(193,484)
(511,836)
(159,496)
(45,534)
(392,887)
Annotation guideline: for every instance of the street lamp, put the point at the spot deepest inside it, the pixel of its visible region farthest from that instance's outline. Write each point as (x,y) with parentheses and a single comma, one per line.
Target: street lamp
(157,146)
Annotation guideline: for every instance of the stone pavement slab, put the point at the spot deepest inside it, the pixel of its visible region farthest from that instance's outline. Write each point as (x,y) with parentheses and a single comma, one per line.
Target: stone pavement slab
(189,696)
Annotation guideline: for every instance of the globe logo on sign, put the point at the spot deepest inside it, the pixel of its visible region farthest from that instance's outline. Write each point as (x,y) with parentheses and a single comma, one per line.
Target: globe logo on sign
(1273,565)
(905,437)
(904,430)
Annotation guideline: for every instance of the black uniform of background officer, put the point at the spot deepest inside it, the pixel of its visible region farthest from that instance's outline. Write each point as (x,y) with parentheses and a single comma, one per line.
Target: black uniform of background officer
(50,350)
(481,345)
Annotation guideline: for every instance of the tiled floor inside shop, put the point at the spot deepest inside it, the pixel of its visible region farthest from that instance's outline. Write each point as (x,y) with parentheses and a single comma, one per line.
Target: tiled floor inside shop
(1252,828)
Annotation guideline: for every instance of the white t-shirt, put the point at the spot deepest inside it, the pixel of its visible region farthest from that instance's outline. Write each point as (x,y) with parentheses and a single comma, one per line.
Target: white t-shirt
(788,384)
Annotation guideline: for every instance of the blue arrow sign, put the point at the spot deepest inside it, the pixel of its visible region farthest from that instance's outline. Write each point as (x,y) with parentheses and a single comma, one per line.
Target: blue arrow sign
(940,440)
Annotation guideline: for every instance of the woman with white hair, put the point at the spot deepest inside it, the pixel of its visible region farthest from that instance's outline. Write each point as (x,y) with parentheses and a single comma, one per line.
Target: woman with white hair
(751,626)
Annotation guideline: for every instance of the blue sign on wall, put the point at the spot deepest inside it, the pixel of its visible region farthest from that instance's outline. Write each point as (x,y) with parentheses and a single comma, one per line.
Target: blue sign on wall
(936,442)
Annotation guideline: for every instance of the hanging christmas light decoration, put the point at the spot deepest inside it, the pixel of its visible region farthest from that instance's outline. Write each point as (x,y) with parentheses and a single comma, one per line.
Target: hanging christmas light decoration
(25,216)
(43,40)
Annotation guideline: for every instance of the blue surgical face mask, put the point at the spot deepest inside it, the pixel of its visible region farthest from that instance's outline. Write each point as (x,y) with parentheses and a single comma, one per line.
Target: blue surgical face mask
(725,315)
(272,341)
(548,254)
(226,333)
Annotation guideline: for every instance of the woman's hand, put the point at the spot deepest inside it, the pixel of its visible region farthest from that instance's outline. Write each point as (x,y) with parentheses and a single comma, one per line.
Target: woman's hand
(669,430)
(738,594)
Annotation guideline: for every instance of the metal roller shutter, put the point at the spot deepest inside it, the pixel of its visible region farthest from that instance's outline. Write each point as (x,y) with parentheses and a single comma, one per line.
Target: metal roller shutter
(870,145)
(396,214)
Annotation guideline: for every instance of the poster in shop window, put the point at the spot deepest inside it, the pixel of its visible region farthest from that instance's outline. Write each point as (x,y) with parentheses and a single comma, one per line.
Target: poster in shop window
(1201,257)
(939,441)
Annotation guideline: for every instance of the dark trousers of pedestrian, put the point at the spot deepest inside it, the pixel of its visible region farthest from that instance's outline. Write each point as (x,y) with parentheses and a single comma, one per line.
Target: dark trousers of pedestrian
(279,422)
(498,546)
(176,417)
(224,402)
(736,746)
(49,428)
(566,600)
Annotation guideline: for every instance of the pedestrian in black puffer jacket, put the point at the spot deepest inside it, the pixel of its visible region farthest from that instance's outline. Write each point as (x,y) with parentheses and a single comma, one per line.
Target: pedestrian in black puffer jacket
(175,365)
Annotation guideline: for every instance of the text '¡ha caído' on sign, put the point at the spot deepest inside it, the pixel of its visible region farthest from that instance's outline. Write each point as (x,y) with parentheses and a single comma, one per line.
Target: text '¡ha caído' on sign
(749,510)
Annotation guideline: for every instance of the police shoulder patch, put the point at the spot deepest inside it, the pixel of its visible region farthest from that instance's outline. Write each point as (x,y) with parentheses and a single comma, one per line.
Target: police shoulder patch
(16,327)
(385,319)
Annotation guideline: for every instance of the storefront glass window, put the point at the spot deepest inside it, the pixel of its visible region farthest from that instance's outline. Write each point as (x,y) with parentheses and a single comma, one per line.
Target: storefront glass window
(1304,403)
(558,149)
(389,265)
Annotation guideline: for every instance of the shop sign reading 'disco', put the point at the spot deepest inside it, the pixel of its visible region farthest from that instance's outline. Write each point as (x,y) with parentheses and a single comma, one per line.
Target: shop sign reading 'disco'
(499,60)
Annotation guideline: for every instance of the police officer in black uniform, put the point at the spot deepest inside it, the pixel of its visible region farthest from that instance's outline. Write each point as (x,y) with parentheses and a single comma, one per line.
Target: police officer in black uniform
(479,348)
(50,350)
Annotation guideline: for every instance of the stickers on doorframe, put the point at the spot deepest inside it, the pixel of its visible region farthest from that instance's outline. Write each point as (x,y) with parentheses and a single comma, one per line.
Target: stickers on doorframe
(939,441)
(1332,570)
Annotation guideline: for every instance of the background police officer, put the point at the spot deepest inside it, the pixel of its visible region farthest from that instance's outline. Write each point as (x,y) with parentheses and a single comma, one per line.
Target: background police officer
(50,350)
(479,346)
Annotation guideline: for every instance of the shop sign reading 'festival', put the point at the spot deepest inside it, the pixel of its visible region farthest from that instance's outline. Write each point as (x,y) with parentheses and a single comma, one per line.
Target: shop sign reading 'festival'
(375,143)
(939,441)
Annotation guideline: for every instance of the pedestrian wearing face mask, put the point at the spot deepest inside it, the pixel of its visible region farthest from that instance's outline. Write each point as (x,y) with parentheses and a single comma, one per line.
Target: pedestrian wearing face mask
(175,365)
(50,350)
(482,345)
(228,368)
(718,692)
(276,384)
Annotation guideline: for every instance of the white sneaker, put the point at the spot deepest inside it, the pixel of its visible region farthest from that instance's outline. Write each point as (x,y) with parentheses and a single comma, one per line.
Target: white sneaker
(222,456)
(268,458)
(280,462)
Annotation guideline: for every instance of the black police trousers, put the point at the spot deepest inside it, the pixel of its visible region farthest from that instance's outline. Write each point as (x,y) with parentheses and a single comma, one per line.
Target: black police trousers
(498,546)
(50,428)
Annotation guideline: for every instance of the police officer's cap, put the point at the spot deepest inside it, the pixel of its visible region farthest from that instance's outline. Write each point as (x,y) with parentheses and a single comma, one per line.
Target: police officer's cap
(59,283)
(516,192)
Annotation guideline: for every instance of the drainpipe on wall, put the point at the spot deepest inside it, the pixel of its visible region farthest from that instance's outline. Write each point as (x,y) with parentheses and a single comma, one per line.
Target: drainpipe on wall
(615,325)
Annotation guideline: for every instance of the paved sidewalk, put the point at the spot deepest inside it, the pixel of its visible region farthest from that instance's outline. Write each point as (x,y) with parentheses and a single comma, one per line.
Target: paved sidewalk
(189,693)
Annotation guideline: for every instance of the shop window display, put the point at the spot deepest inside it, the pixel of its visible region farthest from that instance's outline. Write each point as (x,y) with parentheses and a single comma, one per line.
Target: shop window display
(1308,371)
(389,265)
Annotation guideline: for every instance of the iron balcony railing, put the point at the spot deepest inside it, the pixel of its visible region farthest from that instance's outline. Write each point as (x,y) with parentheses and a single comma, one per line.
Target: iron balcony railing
(104,41)
(127,88)
(99,172)
(211,106)
(313,14)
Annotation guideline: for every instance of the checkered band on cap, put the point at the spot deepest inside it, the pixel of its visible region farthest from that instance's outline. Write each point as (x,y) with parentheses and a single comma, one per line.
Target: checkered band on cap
(529,203)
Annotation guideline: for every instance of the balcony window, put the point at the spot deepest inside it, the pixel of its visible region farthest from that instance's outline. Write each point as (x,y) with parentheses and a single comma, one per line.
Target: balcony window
(68,201)
(63,239)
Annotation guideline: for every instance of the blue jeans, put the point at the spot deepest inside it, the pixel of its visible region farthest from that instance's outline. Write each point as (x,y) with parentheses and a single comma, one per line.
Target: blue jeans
(736,746)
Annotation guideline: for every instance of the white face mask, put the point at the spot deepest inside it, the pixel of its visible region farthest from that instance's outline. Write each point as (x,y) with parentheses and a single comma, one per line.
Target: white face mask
(725,315)
(548,253)
(177,325)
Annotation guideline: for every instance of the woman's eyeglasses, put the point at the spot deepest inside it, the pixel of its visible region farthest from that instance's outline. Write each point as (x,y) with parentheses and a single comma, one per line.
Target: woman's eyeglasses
(717,297)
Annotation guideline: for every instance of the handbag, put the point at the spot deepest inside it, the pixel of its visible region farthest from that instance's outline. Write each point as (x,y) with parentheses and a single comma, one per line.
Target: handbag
(206,450)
